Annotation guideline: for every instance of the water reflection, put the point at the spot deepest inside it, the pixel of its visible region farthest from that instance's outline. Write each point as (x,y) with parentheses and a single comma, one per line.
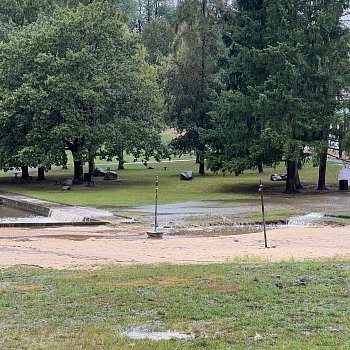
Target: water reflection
(144,333)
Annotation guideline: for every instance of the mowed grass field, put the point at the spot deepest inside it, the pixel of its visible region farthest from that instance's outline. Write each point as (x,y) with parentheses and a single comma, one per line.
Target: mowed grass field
(136,185)
(236,305)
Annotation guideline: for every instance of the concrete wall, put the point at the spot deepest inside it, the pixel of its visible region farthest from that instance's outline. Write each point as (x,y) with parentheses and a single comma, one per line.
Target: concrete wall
(29,207)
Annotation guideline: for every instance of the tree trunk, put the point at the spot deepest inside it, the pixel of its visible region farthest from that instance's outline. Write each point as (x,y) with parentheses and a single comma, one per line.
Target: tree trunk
(260,168)
(148,11)
(297,179)
(139,22)
(91,165)
(201,167)
(78,173)
(121,161)
(156,9)
(75,147)
(25,172)
(322,171)
(292,174)
(121,164)
(41,173)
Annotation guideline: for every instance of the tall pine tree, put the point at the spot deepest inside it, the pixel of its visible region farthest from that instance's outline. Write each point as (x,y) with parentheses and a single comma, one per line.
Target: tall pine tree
(191,74)
(285,75)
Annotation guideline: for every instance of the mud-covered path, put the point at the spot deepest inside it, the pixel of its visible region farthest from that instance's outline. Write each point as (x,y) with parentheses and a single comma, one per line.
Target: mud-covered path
(90,247)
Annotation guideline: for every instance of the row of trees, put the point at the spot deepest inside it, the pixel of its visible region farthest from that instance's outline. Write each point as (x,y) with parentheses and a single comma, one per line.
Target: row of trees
(76,80)
(278,89)
(245,84)
(287,71)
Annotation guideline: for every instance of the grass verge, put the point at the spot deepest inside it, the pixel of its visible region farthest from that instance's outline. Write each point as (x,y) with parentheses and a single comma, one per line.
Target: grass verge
(237,305)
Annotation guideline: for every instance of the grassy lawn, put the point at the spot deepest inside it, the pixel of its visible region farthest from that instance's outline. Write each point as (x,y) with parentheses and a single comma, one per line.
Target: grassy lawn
(135,185)
(237,305)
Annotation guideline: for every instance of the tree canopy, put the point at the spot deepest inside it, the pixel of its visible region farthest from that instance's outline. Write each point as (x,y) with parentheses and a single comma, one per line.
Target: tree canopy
(288,61)
(191,74)
(246,84)
(71,81)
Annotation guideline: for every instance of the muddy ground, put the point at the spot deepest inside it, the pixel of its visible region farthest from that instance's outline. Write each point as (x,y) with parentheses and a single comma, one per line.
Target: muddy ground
(194,232)
(91,247)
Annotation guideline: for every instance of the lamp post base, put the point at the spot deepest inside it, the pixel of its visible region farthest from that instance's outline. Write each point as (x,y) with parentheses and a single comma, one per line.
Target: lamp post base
(153,234)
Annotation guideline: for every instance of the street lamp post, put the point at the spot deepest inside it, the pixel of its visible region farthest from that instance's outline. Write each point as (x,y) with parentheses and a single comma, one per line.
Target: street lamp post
(261,191)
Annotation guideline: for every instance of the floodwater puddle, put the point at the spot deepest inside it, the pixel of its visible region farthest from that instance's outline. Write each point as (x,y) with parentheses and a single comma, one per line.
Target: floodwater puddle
(304,220)
(144,333)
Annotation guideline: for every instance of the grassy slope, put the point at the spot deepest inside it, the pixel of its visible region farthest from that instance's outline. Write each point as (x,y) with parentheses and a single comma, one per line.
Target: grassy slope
(137,185)
(239,305)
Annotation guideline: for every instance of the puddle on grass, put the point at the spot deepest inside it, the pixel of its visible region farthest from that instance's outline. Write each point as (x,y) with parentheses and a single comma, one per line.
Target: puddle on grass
(241,229)
(5,284)
(304,220)
(144,333)
(230,212)
(196,211)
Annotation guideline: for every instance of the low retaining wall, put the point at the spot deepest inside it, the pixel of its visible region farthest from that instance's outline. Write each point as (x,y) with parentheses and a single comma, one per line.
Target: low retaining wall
(26,206)
(42,210)
(52,224)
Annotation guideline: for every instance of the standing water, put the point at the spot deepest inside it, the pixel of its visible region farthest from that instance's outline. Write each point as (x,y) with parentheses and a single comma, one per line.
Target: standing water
(304,220)
(142,333)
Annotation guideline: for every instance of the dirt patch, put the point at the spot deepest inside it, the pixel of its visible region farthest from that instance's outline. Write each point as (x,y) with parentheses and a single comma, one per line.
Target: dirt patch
(57,248)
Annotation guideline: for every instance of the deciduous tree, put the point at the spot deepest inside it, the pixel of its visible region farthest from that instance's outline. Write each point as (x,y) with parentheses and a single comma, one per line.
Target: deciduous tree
(62,77)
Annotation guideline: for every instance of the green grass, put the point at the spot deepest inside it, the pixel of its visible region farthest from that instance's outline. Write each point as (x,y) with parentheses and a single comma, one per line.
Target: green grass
(339,218)
(135,185)
(273,216)
(345,214)
(238,305)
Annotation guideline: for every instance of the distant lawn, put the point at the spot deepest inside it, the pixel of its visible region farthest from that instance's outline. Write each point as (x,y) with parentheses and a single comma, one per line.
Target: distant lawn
(135,185)
(240,305)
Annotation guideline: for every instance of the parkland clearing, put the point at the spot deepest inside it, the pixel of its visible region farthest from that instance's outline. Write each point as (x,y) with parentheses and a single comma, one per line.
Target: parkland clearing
(134,139)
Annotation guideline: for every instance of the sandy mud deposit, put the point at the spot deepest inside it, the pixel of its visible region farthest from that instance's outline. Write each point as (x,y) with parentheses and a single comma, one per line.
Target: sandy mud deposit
(87,247)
